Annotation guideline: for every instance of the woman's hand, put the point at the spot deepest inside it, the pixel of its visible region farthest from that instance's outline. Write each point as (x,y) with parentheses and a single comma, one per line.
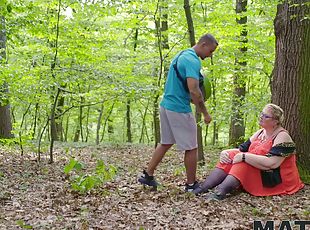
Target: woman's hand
(237,158)
(224,157)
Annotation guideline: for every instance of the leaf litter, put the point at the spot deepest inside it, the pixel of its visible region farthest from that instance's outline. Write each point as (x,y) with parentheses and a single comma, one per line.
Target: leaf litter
(39,196)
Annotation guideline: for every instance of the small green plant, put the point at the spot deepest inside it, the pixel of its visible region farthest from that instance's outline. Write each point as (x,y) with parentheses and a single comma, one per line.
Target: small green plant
(83,182)
(22,224)
(179,170)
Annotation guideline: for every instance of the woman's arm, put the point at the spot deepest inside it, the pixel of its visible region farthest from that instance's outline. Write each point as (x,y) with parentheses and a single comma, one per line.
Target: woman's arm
(260,162)
(265,162)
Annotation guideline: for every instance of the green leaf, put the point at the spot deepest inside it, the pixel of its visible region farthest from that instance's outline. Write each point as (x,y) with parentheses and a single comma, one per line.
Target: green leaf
(69,167)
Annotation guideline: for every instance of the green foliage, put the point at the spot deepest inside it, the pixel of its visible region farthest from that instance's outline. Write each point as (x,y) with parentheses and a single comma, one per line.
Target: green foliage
(97,65)
(22,224)
(84,182)
(73,164)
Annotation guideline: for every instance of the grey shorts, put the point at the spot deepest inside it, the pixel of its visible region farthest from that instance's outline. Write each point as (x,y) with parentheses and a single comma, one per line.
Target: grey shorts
(178,128)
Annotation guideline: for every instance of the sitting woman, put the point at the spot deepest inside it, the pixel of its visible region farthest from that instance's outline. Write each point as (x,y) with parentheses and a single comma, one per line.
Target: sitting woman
(264,165)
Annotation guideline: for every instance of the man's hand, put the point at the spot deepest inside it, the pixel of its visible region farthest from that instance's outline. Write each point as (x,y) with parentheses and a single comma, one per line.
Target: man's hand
(207,118)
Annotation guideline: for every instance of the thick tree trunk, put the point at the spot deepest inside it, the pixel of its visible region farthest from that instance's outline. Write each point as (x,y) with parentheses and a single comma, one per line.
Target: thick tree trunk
(5,114)
(237,128)
(291,79)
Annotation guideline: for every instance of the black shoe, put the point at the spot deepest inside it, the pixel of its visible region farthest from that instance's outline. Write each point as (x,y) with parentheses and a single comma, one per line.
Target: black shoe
(191,188)
(145,179)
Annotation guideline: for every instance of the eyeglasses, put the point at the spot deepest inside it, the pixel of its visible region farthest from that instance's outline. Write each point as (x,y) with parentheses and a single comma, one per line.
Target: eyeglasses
(265,116)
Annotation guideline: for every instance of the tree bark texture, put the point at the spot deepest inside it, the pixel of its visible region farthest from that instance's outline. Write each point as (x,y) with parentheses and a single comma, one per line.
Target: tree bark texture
(5,112)
(291,79)
(237,127)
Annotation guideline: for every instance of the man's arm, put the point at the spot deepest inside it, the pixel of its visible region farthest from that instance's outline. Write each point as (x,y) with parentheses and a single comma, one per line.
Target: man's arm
(197,98)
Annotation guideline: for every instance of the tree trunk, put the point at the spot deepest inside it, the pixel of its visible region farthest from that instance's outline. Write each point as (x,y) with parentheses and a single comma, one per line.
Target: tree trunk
(58,121)
(291,79)
(143,122)
(106,121)
(237,128)
(191,32)
(35,120)
(87,122)
(5,114)
(161,23)
(215,136)
(190,24)
(128,121)
(66,128)
(81,118)
(53,127)
(99,124)
(156,121)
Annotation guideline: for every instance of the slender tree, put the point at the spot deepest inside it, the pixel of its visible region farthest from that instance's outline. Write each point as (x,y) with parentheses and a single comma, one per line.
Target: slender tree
(191,33)
(53,118)
(237,127)
(291,75)
(161,22)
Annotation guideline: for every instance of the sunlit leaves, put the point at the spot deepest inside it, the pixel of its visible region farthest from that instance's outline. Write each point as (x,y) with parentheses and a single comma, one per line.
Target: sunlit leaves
(96,61)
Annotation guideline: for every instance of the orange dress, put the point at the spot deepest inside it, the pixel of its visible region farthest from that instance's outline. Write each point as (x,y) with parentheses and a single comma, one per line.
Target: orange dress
(250,177)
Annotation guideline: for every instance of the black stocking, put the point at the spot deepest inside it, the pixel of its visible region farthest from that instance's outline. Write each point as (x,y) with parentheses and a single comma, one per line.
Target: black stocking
(229,184)
(214,179)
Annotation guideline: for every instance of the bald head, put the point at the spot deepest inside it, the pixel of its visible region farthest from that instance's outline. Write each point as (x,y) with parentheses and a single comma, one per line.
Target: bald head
(206,45)
(209,39)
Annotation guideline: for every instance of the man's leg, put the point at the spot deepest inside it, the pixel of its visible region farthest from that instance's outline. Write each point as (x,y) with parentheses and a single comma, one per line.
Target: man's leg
(147,178)
(158,155)
(190,161)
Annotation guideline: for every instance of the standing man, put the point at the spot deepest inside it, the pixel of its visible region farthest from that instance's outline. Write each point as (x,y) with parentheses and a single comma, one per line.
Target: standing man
(177,122)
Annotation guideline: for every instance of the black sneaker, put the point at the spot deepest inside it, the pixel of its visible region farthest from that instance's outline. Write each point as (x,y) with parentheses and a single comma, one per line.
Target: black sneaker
(145,179)
(191,188)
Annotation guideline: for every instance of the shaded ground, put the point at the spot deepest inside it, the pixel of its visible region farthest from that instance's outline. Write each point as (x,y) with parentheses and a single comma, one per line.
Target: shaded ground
(39,196)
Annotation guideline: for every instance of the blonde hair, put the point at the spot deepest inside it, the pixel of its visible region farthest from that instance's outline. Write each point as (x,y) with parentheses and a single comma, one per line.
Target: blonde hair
(277,112)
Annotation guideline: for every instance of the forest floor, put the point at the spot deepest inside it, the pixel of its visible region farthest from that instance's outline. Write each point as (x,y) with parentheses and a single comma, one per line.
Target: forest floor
(39,195)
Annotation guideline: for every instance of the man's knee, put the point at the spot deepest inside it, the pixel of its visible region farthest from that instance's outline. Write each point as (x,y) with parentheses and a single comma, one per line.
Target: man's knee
(166,145)
(192,151)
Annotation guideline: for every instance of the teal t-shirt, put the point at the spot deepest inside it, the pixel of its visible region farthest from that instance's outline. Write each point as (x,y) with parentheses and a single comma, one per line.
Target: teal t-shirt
(176,98)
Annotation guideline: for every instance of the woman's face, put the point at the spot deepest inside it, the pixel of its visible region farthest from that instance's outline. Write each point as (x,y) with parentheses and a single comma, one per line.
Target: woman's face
(266,118)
